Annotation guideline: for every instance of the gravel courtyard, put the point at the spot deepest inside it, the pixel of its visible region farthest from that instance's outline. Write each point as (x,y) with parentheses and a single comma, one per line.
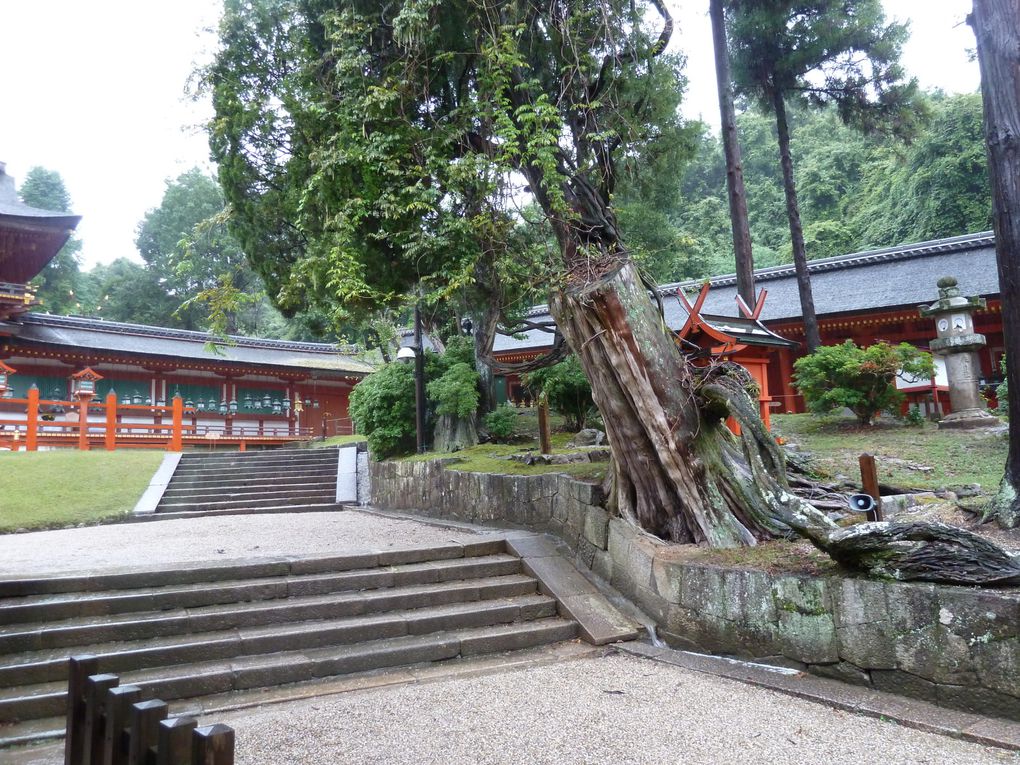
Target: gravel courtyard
(615,709)
(214,538)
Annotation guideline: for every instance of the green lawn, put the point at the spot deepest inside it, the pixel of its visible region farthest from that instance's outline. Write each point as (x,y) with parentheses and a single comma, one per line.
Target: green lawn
(492,458)
(63,488)
(337,441)
(956,457)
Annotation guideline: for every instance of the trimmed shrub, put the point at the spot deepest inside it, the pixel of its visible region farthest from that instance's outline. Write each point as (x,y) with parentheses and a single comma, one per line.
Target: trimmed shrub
(501,423)
(382,407)
(456,392)
(860,379)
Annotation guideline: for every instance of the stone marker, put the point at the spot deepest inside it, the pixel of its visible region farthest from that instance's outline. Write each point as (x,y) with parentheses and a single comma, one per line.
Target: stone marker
(958,344)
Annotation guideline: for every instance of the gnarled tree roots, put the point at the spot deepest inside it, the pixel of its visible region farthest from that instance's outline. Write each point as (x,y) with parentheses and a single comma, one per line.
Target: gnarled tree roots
(680,474)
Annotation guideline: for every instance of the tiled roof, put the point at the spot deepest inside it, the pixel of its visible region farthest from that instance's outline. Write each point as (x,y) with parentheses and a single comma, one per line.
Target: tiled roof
(864,281)
(100,335)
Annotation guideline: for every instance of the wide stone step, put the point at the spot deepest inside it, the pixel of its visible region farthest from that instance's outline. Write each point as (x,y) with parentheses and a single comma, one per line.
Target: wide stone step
(214,677)
(257,454)
(235,489)
(278,500)
(313,508)
(48,608)
(107,629)
(38,667)
(232,570)
(265,464)
(219,477)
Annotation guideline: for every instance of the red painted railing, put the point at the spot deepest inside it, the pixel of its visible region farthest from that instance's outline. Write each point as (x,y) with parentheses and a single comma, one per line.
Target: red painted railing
(168,429)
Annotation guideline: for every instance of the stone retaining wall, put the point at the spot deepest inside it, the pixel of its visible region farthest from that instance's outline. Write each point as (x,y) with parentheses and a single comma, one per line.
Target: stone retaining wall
(957,646)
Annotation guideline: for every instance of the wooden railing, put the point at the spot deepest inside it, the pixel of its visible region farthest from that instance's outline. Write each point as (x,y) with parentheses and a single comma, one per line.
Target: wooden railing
(110,724)
(171,428)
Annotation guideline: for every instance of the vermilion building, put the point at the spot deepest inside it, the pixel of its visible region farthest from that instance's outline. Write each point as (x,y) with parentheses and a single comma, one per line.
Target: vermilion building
(864,297)
(256,386)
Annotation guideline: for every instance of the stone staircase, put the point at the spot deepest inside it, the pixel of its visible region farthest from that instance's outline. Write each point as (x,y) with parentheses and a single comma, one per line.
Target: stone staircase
(220,629)
(272,481)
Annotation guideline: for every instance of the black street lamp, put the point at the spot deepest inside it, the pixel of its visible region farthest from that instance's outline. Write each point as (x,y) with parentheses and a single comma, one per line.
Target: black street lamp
(417,352)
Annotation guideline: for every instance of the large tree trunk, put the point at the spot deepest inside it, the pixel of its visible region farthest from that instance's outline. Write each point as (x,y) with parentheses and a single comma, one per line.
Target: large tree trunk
(997,28)
(807,301)
(742,252)
(678,473)
(485,321)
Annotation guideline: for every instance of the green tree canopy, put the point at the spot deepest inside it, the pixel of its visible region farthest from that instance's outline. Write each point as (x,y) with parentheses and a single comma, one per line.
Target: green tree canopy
(60,284)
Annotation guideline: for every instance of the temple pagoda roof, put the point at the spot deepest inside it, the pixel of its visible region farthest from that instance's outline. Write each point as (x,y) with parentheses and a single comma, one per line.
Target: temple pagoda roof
(111,339)
(29,236)
(892,277)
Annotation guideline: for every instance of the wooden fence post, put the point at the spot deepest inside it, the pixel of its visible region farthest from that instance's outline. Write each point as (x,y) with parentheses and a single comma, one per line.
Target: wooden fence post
(869,482)
(175,741)
(83,422)
(111,421)
(176,439)
(213,745)
(96,687)
(32,424)
(118,717)
(144,738)
(78,670)
(545,438)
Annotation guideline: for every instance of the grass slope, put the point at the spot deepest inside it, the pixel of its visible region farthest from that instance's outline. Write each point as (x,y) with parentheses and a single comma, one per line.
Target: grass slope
(62,488)
(956,457)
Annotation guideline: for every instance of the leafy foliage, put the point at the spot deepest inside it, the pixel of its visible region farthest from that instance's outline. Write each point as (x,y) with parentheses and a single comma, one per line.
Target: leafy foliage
(502,423)
(382,407)
(60,283)
(567,389)
(456,392)
(860,379)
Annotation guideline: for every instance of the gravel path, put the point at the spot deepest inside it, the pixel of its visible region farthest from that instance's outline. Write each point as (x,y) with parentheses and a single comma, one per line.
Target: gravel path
(617,709)
(156,543)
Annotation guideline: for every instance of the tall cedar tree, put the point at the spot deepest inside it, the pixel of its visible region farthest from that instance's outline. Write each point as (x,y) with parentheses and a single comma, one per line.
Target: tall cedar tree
(403,128)
(820,51)
(743,254)
(996,25)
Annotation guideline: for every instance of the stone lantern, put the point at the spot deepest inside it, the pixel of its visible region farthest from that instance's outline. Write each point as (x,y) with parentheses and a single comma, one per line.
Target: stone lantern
(958,343)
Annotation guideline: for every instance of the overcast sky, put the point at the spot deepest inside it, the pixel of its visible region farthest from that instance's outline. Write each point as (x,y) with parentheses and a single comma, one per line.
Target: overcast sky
(95,90)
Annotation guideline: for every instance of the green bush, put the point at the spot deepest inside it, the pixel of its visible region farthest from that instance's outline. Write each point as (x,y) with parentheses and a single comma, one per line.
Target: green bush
(567,389)
(382,407)
(1002,391)
(860,379)
(456,392)
(501,423)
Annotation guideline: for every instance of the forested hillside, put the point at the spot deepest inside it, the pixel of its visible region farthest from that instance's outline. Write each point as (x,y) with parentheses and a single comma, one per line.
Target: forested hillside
(856,192)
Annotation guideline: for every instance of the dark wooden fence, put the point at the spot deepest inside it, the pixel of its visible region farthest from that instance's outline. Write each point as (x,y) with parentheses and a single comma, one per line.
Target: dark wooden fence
(110,724)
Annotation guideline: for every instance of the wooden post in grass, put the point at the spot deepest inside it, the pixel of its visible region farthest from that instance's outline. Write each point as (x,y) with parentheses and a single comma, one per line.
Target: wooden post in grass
(111,421)
(545,438)
(79,668)
(869,482)
(32,423)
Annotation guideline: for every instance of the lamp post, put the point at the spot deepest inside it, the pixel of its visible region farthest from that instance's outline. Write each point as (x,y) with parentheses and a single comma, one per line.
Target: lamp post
(417,352)
(83,388)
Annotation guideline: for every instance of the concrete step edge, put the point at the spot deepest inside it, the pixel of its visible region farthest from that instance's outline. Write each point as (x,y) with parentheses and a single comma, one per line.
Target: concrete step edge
(38,611)
(218,571)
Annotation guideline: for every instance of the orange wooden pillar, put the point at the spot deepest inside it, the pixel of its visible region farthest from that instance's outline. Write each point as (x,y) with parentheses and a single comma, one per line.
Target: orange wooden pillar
(83,422)
(32,425)
(176,435)
(111,421)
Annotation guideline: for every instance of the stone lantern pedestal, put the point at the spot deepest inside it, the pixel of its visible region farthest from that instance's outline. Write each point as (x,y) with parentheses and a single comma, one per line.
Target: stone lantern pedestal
(958,343)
